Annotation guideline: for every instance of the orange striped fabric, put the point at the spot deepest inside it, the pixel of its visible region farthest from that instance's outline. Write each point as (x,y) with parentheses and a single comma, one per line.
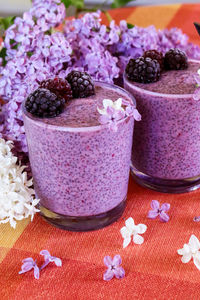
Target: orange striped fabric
(153,269)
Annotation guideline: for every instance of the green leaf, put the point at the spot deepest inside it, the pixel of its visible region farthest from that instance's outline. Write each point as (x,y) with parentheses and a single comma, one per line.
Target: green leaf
(129,25)
(79,4)
(3,55)
(5,23)
(29,53)
(120,3)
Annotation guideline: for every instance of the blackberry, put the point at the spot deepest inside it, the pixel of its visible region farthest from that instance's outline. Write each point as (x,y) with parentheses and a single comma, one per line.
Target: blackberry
(175,59)
(58,86)
(43,103)
(154,54)
(143,69)
(81,84)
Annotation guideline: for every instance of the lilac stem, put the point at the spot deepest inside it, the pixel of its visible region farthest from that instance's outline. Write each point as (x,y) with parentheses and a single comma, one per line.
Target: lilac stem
(44,264)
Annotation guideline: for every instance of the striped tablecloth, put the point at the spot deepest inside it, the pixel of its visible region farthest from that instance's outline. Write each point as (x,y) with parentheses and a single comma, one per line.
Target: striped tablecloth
(153,270)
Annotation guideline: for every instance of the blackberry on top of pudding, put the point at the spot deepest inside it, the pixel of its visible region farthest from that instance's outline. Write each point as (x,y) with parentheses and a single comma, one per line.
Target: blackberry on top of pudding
(49,99)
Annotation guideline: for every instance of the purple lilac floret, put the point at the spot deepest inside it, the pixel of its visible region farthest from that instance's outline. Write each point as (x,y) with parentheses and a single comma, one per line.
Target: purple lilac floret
(35,54)
(196,219)
(115,111)
(158,210)
(29,264)
(48,258)
(111,117)
(114,268)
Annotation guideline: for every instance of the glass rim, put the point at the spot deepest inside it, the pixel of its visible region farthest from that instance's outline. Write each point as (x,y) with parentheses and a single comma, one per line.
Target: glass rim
(39,122)
(151,93)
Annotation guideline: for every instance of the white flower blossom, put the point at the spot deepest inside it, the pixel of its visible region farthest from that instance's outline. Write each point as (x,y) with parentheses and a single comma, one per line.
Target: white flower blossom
(130,229)
(191,250)
(16,195)
(114,111)
(116,105)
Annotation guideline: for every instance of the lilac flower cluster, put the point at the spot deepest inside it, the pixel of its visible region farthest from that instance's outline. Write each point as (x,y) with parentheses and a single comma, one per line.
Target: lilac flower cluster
(33,55)
(36,51)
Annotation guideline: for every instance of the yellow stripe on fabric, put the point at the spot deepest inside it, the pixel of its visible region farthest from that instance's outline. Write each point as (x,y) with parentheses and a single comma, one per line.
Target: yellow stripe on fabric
(159,16)
(9,235)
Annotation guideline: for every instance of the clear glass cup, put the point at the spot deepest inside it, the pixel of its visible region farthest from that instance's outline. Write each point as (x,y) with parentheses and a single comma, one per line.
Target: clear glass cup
(80,173)
(166,143)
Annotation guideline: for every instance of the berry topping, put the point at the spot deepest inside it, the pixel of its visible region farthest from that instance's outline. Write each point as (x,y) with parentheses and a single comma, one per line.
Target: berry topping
(143,69)
(154,54)
(175,59)
(43,103)
(58,86)
(81,84)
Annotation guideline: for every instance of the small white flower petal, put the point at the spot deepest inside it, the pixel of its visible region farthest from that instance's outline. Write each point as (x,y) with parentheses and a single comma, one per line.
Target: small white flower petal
(118,104)
(186,258)
(125,232)
(138,239)
(101,111)
(19,208)
(12,222)
(4,221)
(130,224)
(194,243)
(107,102)
(196,260)
(141,228)
(126,241)
(184,250)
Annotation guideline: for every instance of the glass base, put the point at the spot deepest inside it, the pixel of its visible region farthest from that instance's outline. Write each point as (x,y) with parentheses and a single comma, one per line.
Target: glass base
(86,223)
(166,185)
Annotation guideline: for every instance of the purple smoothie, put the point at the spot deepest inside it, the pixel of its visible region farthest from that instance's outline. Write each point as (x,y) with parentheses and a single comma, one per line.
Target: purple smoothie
(80,167)
(166,147)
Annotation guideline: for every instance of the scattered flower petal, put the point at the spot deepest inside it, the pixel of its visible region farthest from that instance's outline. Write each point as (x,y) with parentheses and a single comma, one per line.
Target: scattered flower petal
(130,229)
(191,250)
(29,264)
(196,219)
(114,268)
(48,258)
(159,211)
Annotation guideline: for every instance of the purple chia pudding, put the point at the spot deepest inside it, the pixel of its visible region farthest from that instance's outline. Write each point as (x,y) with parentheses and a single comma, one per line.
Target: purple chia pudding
(166,146)
(80,167)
